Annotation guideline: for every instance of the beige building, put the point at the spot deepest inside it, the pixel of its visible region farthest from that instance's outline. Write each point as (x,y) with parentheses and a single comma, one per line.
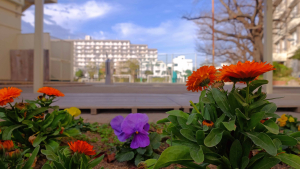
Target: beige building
(97,51)
(11,39)
(286,33)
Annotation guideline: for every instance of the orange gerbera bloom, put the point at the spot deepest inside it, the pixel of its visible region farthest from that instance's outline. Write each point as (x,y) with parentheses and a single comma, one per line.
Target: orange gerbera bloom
(82,147)
(208,123)
(50,91)
(7,95)
(244,72)
(7,145)
(200,79)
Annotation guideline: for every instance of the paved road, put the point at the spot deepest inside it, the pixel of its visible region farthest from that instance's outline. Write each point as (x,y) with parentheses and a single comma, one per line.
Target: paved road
(138,88)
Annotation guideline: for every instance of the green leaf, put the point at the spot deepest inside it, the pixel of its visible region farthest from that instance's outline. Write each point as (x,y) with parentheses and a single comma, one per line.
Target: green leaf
(60,166)
(269,108)
(277,143)
(165,120)
(247,147)
(290,159)
(264,141)
(230,126)
(188,134)
(197,155)
(178,113)
(242,119)
(245,162)
(214,137)
(36,112)
(235,153)
(257,104)
(155,140)
(255,119)
(138,159)
(219,120)
(295,134)
(200,137)
(285,139)
(52,145)
(141,150)
(71,132)
(173,120)
(205,100)
(192,117)
(38,140)
(266,162)
(271,126)
(255,84)
(257,157)
(222,102)
(47,166)
(240,99)
(150,163)
(50,155)
(48,121)
(173,155)
(30,160)
(6,135)
(125,156)
(95,162)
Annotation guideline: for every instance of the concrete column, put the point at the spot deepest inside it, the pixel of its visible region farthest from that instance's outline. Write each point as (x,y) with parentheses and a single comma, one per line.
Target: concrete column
(38,64)
(268,41)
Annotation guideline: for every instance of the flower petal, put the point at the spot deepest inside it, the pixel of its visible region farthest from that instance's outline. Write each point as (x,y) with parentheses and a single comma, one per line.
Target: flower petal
(140,140)
(146,127)
(134,122)
(116,123)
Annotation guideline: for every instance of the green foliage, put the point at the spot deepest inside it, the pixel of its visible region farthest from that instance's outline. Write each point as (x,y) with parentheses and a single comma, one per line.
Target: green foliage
(223,128)
(30,125)
(79,73)
(63,158)
(296,55)
(17,160)
(125,153)
(281,70)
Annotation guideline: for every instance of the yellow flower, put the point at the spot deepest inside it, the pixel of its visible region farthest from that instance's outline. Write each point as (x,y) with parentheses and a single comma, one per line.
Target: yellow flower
(299,128)
(283,117)
(282,123)
(74,111)
(291,119)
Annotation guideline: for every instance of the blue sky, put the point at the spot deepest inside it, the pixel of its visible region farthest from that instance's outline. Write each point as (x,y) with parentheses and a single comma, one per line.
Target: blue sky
(157,23)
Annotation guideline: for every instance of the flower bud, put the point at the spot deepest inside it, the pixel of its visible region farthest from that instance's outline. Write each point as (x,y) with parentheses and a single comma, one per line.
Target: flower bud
(40,97)
(44,99)
(62,130)
(22,106)
(31,139)
(13,155)
(7,145)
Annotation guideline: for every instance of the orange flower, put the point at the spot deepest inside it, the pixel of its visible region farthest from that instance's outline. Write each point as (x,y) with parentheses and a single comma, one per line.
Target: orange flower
(7,95)
(244,72)
(82,147)
(7,145)
(50,91)
(200,79)
(264,120)
(208,123)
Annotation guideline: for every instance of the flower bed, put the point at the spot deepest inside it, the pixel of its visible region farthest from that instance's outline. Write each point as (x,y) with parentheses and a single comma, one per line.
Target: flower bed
(226,129)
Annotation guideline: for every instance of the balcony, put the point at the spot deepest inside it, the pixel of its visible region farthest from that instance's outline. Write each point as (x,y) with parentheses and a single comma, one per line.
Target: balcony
(293,23)
(279,57)
(292,3)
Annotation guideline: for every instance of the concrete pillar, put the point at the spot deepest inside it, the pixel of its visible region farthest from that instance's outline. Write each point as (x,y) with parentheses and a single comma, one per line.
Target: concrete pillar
(38,64)
(268,41)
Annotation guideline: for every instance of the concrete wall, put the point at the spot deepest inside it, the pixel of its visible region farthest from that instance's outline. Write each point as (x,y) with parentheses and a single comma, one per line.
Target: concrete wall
(10,27)
(61,60)
(26,41)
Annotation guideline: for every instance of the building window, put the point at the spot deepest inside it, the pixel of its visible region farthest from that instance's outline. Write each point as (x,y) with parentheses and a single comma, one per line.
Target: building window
(295,38)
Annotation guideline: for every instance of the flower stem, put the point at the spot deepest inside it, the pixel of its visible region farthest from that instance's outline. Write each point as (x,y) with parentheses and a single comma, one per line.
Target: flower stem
(194,107)
(247,98)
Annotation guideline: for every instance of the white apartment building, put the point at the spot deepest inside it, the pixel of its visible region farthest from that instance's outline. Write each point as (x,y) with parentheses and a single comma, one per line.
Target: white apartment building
(287,30)
(157,68)
(97,51)
(181,65)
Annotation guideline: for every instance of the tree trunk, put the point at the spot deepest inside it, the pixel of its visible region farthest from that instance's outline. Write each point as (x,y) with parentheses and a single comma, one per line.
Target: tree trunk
(258,50)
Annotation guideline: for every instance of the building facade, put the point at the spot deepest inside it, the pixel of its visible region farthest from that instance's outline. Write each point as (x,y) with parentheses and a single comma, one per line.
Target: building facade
(97,51)
(286,26)
(182,67)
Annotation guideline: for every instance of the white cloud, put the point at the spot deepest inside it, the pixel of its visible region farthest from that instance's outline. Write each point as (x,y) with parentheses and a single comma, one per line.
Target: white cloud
(70,15)
(177,34)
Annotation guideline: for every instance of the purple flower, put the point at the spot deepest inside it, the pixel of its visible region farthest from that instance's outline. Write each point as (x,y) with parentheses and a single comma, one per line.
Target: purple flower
(116,125)
(134,124)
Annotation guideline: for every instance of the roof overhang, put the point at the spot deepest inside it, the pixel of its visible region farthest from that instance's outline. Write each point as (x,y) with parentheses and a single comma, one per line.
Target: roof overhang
(28,3)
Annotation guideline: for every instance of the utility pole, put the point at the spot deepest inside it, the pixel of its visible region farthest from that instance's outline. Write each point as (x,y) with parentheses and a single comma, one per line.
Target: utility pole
(213,32)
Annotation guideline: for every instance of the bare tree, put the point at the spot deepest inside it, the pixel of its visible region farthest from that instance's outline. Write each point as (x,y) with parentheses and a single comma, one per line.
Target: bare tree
(238,30)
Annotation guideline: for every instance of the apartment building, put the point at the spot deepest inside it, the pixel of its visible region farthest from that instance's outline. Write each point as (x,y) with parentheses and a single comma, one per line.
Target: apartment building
(155,68)
(286,37)
(97,51)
